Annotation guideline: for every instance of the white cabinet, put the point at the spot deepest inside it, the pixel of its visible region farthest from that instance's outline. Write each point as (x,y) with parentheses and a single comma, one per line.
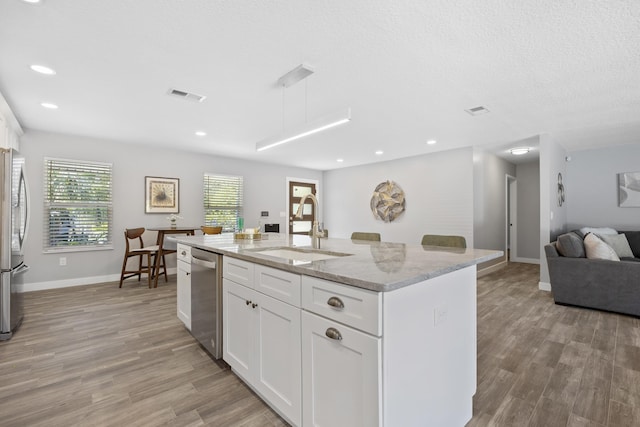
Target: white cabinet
(4,133)
(184,284)
(262,334)
(327,354)
(341,365)
(8,137)
(341,374)
(239,320)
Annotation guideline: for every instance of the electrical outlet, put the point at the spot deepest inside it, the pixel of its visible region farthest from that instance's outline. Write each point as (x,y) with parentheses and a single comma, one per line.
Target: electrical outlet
(439,315)
(63,260)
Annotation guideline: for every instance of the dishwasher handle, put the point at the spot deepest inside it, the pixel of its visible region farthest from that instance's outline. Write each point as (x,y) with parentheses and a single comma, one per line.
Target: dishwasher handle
(203,263)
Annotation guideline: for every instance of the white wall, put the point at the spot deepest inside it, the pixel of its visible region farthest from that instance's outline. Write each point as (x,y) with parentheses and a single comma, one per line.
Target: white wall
(528,199)
(490,198)
(592,188)
(264,190)
(438,189)
(553,217)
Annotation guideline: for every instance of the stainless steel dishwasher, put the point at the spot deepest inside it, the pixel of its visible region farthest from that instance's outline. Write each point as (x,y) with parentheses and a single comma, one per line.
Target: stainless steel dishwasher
(206,300)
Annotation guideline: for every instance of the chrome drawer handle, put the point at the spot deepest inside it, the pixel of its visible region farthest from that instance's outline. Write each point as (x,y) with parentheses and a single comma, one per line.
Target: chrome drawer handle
(334,334)
(247,302)
(184,253)
(335,302)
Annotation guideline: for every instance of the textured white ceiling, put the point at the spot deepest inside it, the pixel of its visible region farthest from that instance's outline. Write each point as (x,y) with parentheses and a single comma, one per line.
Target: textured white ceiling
(408,70)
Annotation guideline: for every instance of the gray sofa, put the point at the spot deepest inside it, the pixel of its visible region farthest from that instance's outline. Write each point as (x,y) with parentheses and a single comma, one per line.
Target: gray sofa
(594,283)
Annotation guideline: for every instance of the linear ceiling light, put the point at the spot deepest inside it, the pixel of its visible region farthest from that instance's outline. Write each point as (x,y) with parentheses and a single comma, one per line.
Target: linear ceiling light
(519,151)
(306,129)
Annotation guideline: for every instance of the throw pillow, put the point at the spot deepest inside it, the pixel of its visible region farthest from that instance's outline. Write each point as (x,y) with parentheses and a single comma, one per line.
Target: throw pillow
(619,244)
(570,245)
(597,249)
(633,237)
(600,231)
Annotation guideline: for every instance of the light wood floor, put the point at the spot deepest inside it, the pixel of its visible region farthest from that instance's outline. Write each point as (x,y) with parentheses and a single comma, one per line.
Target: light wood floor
(102,356)
(541,364)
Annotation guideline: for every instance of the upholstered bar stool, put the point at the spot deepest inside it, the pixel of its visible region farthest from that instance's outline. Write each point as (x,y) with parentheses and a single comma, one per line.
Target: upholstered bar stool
(441,240)
(358,235)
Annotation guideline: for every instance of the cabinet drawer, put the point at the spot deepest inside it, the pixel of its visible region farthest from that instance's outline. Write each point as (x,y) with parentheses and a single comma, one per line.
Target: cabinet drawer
(356,307)
(238,270)
(281,285)
(184,252)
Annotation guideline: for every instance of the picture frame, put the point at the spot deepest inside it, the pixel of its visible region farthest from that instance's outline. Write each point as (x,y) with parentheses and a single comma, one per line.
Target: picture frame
(629,189)
(161,194)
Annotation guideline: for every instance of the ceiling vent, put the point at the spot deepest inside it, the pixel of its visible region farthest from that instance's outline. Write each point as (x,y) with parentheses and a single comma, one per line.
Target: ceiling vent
(476,111)
(187,95)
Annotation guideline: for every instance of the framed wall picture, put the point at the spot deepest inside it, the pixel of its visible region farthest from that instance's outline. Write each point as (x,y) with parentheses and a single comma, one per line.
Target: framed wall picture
(629,189)
(162,195)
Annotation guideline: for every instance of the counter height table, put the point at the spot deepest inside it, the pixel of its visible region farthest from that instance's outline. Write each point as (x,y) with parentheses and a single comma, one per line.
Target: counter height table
(162,231)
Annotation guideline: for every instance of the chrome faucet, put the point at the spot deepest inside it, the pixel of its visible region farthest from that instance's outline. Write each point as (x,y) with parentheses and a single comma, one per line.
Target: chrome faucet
(316,234)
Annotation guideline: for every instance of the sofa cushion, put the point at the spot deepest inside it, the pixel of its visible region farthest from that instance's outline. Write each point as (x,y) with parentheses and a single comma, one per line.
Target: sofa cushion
(633,237)
(600,230)
(619,244)
(570,245)
(597,249)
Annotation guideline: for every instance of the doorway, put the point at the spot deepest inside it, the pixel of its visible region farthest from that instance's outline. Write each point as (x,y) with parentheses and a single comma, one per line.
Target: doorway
(297,190)
(511,243)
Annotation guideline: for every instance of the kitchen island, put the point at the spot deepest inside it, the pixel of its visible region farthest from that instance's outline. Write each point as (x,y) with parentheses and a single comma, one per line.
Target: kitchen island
(354,333)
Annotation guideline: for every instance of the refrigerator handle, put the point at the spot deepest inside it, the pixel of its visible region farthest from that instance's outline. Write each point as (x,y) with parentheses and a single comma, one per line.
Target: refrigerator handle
(22,269)
(27,202)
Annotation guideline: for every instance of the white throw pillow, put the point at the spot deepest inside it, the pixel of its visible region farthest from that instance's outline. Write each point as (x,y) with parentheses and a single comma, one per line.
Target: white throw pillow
(597,249)
(619,244)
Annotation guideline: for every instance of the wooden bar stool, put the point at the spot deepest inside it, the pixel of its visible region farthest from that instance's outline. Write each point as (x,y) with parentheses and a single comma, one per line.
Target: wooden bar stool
(139,250)
(211,230)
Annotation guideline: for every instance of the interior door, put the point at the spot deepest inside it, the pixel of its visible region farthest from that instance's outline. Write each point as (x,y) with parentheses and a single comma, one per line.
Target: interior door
(297,190)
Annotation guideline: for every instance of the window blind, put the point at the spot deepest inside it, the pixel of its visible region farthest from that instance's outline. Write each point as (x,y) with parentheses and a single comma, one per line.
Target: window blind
(78,210)
(222,200)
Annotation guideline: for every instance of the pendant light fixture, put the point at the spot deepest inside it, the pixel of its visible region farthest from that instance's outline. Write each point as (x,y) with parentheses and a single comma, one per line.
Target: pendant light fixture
(299,73)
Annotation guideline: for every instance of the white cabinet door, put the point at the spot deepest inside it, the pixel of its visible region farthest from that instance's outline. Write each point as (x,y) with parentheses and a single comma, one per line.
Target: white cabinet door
(277,373)
(184,293)
(240,323)
(341,371)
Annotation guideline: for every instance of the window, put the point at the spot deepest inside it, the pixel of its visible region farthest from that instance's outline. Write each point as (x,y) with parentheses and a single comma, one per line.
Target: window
(78,211)
(222,201)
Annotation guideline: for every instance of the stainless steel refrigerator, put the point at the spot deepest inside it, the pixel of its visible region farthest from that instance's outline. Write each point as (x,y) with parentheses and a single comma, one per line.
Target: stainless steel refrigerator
(14,221)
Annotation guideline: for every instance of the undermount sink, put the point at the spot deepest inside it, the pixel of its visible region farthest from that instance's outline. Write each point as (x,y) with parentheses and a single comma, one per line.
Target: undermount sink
(301,255)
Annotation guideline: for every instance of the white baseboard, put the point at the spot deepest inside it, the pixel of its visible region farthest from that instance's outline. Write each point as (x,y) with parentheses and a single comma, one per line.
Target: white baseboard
(492,268)
(544,286)
(526,260)
(80,281)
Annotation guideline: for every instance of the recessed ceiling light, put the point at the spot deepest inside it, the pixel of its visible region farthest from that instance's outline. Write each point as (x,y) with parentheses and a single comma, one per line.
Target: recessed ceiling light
(520,151)
(32,1)
(201,133)
(339,160)
(43,70)
(379,153)
(49,105)
(431,141)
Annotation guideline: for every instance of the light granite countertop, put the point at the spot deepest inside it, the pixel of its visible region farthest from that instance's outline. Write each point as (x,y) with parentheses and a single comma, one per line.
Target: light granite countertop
(377,266)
